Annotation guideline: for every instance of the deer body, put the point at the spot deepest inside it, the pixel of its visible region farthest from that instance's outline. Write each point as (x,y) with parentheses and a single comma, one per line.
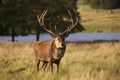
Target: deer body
(51,51)
(47,51)
(43,50)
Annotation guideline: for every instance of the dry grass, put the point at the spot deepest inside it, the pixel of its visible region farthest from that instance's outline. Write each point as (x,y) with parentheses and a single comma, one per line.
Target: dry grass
(82,61)
(102,21)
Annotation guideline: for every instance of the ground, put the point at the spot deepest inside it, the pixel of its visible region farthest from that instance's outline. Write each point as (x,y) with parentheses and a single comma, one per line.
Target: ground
(82,61)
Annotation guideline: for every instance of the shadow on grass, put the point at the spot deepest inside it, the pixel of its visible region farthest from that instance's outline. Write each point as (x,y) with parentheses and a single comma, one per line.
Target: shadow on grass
(16,71)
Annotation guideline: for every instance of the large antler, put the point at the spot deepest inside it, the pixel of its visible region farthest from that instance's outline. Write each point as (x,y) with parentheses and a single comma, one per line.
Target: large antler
(74,22)
(41,22)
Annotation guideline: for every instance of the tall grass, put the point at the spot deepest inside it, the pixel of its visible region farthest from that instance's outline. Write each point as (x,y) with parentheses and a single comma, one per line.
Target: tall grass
(82,61)
(100,20)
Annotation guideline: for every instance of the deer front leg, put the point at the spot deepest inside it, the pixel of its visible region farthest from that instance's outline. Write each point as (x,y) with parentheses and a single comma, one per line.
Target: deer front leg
(57,68)
(51,64)
(38,63)
(57,63)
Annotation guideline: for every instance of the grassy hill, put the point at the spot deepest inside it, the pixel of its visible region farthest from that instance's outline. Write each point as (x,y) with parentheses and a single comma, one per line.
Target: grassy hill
(99,20)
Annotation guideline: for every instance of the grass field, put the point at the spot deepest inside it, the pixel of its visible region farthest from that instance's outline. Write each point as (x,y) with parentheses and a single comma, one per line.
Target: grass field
(82,61)
(100,21)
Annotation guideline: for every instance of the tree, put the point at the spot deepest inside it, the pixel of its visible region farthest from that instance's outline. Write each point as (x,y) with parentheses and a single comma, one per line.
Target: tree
(117,5)
(13,16)
(108,4)
(105,4)
(20,16)
(57,13)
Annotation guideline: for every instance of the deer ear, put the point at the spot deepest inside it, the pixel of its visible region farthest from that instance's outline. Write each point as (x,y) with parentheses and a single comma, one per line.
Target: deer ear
(65,35)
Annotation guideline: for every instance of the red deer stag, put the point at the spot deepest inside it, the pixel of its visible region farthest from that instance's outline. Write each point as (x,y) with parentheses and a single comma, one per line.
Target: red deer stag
(52,51)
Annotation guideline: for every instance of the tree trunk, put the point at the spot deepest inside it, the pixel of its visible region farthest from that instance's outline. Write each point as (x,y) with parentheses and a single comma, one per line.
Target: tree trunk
(13,34)
(37,35)
(96,11)
(111,11)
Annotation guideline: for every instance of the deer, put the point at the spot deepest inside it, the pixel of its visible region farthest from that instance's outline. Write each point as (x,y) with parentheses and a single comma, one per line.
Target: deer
(52,51)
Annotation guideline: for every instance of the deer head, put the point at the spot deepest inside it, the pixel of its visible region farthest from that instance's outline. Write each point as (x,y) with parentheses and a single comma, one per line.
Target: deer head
(59,38)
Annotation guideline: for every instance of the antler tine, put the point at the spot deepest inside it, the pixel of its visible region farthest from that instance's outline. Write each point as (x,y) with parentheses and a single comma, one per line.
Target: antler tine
(41,22)
(41,18)
(70,15)
(43,15)
(74,22)
(75,18)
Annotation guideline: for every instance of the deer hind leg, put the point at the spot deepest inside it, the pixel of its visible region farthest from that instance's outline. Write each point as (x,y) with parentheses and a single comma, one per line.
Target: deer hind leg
(44,65)
(38,63)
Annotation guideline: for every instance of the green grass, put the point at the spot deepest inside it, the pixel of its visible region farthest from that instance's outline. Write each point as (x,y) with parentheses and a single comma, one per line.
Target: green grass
(84,7)
(82,61)
(102,21)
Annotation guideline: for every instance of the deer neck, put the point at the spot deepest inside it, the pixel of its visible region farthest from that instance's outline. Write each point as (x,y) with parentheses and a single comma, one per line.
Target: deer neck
(57,53)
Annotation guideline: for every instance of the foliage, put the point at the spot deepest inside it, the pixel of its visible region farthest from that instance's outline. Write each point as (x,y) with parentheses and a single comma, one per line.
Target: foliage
(21,14)
(105,4)
(56,14)
(14,16)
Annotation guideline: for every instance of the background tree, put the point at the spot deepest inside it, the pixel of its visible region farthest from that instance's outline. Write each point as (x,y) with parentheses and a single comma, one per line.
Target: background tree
(108,4)
(13,17)
(117,4)
(57,14)
(105,4)
(20,16)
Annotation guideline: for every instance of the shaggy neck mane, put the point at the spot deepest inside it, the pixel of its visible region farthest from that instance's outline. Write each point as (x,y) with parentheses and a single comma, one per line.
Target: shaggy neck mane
(53,46)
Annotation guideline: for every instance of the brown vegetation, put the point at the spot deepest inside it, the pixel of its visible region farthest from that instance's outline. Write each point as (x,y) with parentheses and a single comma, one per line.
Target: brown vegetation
(82,61)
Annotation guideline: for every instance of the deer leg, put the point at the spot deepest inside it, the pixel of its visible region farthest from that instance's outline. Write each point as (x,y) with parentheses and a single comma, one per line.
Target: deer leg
(57,63)
(51,64)
(45,66)
(57,68)
(38,62)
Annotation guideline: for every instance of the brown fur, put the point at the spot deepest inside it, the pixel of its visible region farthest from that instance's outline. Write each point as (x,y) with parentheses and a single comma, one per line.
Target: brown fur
(47,52)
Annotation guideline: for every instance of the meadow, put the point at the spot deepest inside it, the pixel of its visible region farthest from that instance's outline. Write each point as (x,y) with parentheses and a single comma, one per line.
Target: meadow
(82,61)
(100,20)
